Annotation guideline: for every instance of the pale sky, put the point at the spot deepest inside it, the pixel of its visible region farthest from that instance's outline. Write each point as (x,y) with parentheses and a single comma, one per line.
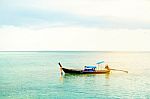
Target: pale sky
(82,25)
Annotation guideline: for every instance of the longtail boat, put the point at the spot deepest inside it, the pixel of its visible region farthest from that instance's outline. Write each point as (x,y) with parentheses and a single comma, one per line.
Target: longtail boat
(86,70)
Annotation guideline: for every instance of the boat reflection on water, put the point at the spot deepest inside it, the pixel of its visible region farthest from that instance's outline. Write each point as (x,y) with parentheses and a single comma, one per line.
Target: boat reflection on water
(85,75)
(74,76)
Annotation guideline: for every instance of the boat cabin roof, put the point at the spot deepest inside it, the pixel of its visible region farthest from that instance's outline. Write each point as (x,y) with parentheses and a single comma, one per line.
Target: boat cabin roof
(90,66)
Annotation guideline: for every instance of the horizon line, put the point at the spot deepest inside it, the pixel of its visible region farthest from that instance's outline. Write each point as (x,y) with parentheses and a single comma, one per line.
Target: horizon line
(67,51)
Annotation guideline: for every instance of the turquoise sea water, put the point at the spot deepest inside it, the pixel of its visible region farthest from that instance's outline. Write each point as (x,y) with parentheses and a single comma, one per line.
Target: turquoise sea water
(36,75)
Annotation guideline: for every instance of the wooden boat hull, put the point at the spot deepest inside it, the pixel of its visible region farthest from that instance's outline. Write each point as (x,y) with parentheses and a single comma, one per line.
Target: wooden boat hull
(74,71)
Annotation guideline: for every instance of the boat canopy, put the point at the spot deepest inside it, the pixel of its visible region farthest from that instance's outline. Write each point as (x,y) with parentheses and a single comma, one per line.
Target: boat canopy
(90,66)
(100,62)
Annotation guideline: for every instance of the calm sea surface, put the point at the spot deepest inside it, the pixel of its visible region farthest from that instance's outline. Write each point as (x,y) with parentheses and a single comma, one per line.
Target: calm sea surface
(36,75)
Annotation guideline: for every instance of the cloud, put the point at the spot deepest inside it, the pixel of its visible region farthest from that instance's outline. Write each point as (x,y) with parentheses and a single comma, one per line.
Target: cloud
(42,18)
(85,13)
(128,9)
(75,25)
(74,38)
